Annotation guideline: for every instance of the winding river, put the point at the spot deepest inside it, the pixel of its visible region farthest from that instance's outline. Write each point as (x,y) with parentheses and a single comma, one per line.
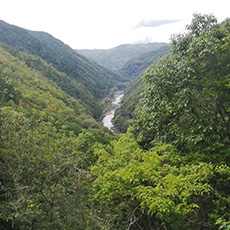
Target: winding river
(116,102)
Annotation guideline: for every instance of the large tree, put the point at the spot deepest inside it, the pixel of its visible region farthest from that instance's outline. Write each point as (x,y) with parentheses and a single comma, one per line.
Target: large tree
(187,98)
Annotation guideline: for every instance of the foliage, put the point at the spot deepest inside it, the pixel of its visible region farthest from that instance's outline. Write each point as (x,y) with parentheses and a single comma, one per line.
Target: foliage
(174,172)
(58,169)
(225,225)
(44,177)
(42,183)
(124,115)
(37,90)
(154,189)
(7,92)
(186,101)
(132,69)
(87,141)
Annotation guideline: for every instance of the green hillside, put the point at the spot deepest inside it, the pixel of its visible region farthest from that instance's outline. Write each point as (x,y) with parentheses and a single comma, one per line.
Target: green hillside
(93,82)
(116,57)
(61,170)
(125,114)
(131,70)
(171,170)
(46,139)
(34,83)
(134,67)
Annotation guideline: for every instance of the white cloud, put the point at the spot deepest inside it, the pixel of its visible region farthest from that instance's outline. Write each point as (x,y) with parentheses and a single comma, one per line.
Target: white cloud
(155,23)
(107,23)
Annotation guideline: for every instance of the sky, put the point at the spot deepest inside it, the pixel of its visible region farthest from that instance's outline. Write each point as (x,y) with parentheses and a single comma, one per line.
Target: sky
(104,24)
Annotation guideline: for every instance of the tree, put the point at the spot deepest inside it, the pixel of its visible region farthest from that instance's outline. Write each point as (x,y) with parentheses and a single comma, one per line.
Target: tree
(155,189)
(186,101)
(7,91)
(201,23)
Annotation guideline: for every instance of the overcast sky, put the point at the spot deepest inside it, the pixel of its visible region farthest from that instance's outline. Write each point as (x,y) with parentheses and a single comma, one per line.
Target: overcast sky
(107,23)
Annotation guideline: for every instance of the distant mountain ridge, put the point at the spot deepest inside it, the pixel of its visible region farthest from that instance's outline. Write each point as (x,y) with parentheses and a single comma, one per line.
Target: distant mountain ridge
(134,67)
(116,57)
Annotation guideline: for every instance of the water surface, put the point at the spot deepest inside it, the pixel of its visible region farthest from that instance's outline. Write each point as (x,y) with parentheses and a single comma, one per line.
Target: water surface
(116,102)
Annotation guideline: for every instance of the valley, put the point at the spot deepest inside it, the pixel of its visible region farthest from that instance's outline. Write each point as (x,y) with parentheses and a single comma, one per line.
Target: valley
(129,61)
(134,137)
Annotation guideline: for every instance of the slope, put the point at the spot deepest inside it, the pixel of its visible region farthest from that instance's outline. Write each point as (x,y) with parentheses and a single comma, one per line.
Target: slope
(93,81)
(124,115)
(46,138)
(134,70)
(32,88)
(134,67)
(116,57)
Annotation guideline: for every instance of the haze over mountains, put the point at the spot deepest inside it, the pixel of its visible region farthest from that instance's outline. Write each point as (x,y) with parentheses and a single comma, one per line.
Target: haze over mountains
(135,66)
(130,61)
(116,57)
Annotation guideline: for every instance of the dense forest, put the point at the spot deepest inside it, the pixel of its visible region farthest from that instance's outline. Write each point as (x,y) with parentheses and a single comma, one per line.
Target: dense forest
(61,169)
(87,81)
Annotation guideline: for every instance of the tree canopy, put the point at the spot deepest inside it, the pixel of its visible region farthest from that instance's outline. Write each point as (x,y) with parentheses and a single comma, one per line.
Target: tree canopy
(171,170)
(186,101)
(60,169)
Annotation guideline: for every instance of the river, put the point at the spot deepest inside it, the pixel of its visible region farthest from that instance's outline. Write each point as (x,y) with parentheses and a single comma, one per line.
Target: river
(115,104)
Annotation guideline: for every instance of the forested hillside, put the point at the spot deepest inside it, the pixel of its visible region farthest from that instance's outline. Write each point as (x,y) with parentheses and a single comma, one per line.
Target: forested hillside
(135,66)
(172,170)
(116,57)
(46,138)
(124,115)
(92,82)
(134,70)
(36,85)
(60,169)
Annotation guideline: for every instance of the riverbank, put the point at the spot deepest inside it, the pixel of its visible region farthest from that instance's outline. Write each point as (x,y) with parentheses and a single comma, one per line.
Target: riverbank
(109,115)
